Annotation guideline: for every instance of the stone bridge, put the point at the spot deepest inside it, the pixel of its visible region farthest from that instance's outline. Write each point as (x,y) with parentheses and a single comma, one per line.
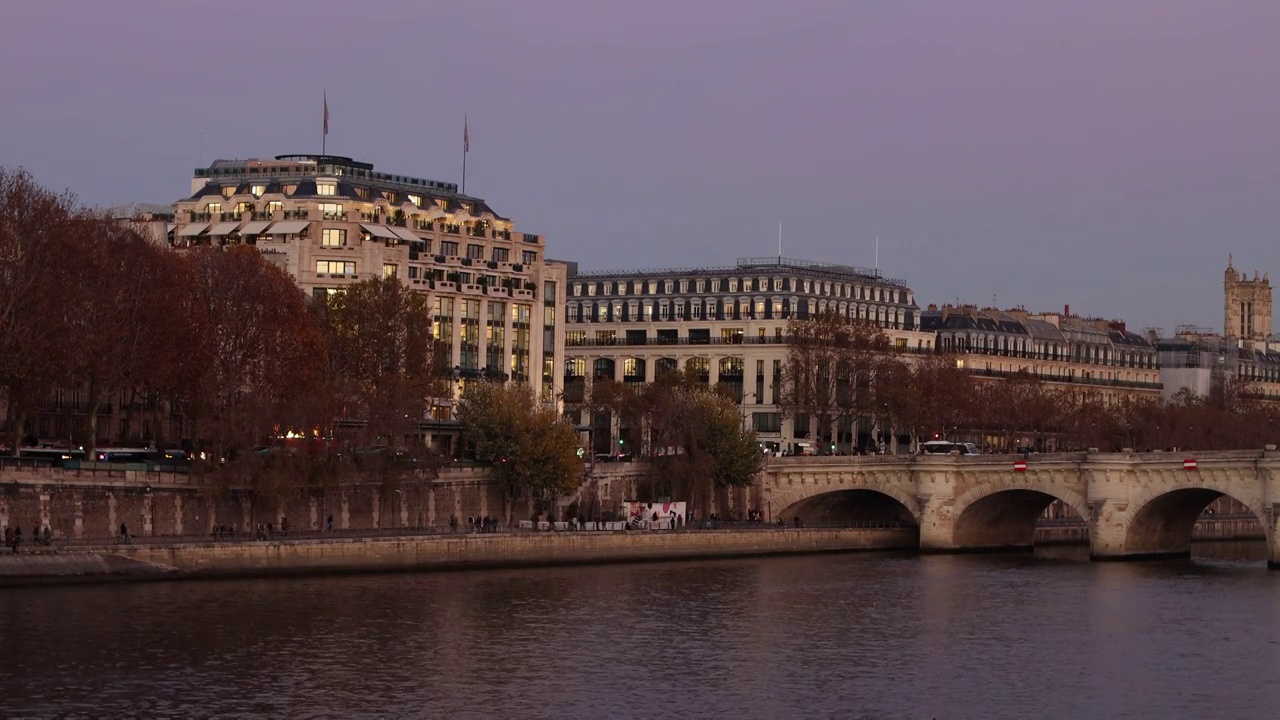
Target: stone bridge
(1136,505)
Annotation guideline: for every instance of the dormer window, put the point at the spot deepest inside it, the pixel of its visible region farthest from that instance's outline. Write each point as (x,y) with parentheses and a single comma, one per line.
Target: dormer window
(362,193)
(416,200)
(389,196)
(290,189)
(326,188)
(442,203)
(213,208)
(228,190)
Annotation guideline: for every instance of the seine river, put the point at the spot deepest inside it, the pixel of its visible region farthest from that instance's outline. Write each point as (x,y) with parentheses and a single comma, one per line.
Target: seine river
(840,636)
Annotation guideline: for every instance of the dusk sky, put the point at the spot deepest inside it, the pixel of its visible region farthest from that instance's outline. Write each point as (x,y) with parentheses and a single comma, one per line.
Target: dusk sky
(1097,153)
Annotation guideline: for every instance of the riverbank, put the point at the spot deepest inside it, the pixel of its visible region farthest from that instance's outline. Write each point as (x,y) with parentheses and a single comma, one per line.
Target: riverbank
(426,552)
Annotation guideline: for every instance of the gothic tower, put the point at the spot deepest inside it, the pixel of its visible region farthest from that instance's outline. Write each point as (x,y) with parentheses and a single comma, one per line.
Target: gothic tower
(1247,306)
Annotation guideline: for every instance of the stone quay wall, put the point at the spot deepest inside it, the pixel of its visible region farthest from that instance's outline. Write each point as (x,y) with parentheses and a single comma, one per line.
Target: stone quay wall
(162,561)
(88,505)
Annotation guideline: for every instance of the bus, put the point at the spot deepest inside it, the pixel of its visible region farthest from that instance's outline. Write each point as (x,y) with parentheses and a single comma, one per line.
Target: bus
(943,447)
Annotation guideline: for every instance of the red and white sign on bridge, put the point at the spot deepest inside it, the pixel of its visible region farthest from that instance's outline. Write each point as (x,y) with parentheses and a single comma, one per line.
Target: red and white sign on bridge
(1190,464)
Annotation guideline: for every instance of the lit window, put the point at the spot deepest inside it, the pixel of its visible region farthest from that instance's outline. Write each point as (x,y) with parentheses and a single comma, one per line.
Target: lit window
(389,270)
(335,267)
(257,190)
(213,208)
(331,237)
(326,188)
(228,190)
(416,200)
(275,206)
(331,211)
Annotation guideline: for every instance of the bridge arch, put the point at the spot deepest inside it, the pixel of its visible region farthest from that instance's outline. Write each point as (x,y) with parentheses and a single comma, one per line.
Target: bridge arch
(839,505)
(993,516)
(1163,519)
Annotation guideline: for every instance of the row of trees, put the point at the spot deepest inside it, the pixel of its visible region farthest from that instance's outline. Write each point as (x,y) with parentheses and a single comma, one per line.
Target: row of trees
(843,373)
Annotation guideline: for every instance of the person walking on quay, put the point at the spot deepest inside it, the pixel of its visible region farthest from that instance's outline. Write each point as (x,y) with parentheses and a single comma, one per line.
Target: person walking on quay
(17,538)
(330,522)
(124,534)
(8,536)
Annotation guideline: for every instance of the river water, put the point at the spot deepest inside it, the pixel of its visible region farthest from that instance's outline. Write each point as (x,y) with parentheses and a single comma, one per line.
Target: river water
(840,636)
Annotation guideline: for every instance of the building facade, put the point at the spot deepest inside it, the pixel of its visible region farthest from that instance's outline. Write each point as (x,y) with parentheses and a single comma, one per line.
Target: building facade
(728,323)
(1064,350)
(330,221)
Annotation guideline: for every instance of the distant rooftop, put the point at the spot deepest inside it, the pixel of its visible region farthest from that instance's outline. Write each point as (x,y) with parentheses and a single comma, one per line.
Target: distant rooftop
(306,166)
(833,270)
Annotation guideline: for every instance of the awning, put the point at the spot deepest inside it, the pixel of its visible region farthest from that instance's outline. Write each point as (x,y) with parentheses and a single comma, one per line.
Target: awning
(225,228)
(434,214)
(462,216)
(406,234)
(288,228)
(192,230)
(169,228)
(254,228)
(380,231)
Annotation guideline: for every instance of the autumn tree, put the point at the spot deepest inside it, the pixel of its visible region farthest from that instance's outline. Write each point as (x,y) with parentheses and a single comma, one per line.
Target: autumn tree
(696,441)
(35,224)
(533,451)
(381,361)
(830,368)
(121,323)
(265,351)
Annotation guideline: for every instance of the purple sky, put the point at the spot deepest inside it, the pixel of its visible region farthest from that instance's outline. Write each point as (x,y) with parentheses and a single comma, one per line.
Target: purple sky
(1099,153)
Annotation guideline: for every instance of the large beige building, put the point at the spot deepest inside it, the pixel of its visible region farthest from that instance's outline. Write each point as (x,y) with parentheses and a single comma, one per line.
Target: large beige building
(330,221)
(728,323)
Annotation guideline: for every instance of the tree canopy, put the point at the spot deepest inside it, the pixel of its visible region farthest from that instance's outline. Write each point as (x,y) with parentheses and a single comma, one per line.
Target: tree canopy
(533,451)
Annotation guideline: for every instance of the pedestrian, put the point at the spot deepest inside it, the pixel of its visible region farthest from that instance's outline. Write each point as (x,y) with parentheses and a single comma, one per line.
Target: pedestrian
(124,533)
(471,523)
(453,523)
(330,523)
(17,538)
(48,536)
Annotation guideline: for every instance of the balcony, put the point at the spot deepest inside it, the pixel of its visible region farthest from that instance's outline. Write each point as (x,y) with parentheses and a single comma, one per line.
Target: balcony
(335,216)
(530,238)
(502,234)
(296,214)
(453,229)
(477,231)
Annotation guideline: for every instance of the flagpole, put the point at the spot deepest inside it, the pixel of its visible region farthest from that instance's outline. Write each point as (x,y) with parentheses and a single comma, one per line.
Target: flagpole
(324,132)
(466,141)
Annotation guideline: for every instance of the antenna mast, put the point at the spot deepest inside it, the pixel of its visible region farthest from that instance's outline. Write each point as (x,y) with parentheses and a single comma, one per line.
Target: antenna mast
(779,242)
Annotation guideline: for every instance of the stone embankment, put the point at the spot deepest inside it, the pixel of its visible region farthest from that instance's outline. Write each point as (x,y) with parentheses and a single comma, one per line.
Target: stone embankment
(160,561)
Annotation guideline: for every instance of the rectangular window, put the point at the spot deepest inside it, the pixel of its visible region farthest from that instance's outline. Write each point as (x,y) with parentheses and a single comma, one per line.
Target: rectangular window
(333,237)
(449,248)
(228,190)
(416,200)
(702,286)
(606,337)
(257,190)
(529,257)
(413,272)
(766,422)
(684,286)
(575,337)
(275,206)
(501,254)
(213,208)
(715,285)
(326,188)
(475,252)
(335,267)
(331,211)
(520,313)
(389,270)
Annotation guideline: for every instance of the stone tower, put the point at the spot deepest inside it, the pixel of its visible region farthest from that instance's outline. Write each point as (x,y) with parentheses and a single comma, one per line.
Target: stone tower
(1247,306)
